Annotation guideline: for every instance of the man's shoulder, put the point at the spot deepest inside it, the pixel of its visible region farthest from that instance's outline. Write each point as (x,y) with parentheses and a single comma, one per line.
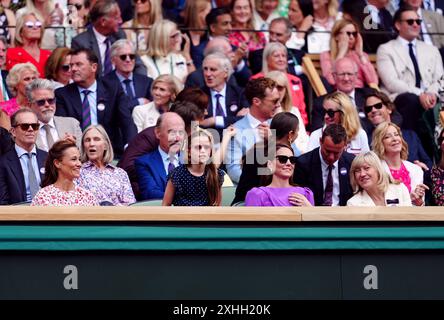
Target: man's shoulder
(308,156)
(84,38)
(65,121)
(149,157)
(62,91)
(347,157)
(243,123)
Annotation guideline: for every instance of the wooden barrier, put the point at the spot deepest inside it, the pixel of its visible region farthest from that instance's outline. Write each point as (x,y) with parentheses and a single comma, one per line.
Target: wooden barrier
(252,214)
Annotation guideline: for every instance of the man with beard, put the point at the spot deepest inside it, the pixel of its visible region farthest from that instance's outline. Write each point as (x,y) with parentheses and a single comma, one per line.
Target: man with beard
(40,94)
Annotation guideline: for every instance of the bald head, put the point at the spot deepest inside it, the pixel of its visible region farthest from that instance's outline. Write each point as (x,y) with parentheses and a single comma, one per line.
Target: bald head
(345,72)
(170,130)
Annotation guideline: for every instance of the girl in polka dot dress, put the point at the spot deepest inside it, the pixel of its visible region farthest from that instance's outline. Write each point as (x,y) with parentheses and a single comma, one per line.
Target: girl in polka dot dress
(199,182)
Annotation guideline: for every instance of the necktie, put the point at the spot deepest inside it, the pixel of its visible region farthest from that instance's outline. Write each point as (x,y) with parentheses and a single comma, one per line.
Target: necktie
(107,67)
(32,179)
(219,110)
(49,138)
(129,90)
(86,110)
(415,65)
(381,19)
(328,192)
(171,165)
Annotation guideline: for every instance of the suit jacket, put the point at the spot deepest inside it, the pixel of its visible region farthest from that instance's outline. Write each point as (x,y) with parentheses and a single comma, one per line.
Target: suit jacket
(115,118)
(434,24)
(255,60)
(394,192)
(152,175)
(234,101)
(308,173)
(88,40)
(12,180)
(238,78)
(396,69)
(63,125)
(6,142)
(142,86)
(144,142)
(4,75)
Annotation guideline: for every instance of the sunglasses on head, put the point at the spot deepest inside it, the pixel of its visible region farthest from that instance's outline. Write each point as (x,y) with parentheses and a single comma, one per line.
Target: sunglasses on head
(284,159)
(354,33)
(25,126)
(30,24)
(369,109)
(331,113)
(123,57)
(42,102)
(411,21)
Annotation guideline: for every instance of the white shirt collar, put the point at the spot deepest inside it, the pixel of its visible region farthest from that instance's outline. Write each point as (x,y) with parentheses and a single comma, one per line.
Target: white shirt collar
(20,151)
(100,37)
(405,42)
(51,123)
(92,88)
(254,123)
(165,156)
(221,92)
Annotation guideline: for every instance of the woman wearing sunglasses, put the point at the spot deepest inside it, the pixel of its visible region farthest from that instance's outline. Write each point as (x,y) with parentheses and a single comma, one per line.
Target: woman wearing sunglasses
(373,186)
(346,41)
(339,109)
(18,78)
(280,190)
(28,38)
(58,69)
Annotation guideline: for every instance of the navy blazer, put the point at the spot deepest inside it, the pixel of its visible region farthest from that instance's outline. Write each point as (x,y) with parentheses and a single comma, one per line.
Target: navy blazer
(152,175)
(238,78)
(88,40)
(115,118)
(308,173)
(12,180)
(142,86)
(255,60)
(6,142)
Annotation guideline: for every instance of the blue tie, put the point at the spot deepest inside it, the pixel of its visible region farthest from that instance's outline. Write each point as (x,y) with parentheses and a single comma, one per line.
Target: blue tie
(219,110)
(108,67)
(129,90)
(86,110)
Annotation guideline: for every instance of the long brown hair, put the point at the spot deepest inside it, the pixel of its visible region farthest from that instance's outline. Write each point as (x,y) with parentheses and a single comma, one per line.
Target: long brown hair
(55,153)
(212,178)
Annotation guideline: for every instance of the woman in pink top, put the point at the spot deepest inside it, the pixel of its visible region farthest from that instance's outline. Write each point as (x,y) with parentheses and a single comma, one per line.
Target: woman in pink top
(346,41)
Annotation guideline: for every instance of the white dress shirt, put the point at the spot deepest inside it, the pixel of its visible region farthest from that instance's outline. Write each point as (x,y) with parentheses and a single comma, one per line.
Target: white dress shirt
(220,122)
(335,176)
(102,46)
(42,133)
(166,159)
(92,99)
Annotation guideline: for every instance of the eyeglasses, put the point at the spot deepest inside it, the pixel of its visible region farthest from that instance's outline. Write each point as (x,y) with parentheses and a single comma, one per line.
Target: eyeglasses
(354,33)
(141,1)
(331,113)
(411,21)
(345,74)
(25,126)
(369,109)
(65,67)
(123,57)
(30,24)
(42,102)
(284,159)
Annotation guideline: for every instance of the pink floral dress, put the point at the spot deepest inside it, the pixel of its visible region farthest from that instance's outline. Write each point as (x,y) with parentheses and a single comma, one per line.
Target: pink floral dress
(53,196)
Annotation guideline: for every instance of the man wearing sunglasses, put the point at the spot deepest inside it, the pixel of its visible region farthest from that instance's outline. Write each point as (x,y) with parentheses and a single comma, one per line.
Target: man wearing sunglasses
(104,30)
(137,87)
(325,170)
(22,168)
(40,94)
(410,69)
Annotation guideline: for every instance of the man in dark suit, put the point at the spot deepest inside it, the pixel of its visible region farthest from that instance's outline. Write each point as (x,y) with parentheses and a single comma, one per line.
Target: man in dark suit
(325,170)
(227,102)
(104,30)
(137,87)
(22,168)
(241,73)
(92,101)
(153,168)
(279,31)
(6,142)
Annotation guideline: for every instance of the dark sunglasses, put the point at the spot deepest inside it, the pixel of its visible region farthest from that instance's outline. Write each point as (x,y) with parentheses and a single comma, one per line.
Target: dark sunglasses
(284,159)
(65,67)
(354,33)
(411,21)
(331,113)
(42,102)
(369,109)
(141,1)
(25,126)
(123,57)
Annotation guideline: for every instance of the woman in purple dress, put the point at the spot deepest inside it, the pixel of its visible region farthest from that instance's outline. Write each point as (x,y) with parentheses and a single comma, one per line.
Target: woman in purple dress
(280,191)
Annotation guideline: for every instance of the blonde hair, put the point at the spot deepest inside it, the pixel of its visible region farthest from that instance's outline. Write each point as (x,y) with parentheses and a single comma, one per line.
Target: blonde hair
(192,10)
(378,138)
(269,49)
(173,83)
(108,154)
(14,75)
(159,38)
(337,27)
(30,7)
(370,158)
(155,13)
(350,118)
(18,39)
(281,80)
(333,7)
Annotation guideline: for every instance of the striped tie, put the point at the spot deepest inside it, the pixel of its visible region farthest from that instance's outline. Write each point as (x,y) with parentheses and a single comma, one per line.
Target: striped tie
(86,110)
(108,67)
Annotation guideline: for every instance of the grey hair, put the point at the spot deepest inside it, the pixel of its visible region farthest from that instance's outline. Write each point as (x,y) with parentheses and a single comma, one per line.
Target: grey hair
(223,60)
(14,75)
(269,49)
(119,44)
(345,59)
(285,21)
(214,48)
(38,84)
(108,155)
